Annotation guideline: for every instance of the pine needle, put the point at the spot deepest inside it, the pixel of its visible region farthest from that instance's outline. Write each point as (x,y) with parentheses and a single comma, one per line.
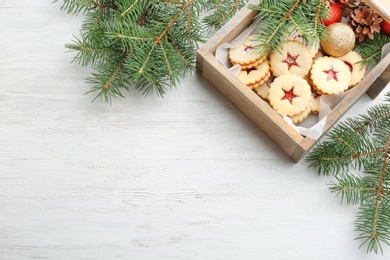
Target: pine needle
(361,143)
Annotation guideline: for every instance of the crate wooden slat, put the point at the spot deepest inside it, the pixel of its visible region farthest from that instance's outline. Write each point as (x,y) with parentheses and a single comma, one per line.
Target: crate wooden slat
(259,111)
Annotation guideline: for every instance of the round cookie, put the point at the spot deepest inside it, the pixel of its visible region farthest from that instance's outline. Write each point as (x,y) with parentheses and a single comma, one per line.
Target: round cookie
(255,75)
(263,89)
(293,57)
(261,82)
(357,70)
(319,55)
(330,75)
(315,102)
(252,65)
(245,54)
(289,94)
(313,48)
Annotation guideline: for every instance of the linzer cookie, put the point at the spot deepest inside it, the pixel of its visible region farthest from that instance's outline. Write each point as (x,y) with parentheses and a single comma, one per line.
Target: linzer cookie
(289,95)
(261,82)
(263,89)
(313,48)
(255,76)
(245,54)
(315,102)
(319,55)
(293,57)
(330,75)
(301,116)
(357,69)
(251,65)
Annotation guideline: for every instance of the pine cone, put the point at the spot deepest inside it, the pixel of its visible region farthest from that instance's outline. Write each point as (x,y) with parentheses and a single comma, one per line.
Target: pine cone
(348,5)
(365,22)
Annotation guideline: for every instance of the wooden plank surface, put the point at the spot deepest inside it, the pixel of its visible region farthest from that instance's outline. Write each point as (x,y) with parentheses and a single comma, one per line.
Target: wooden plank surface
(184,177)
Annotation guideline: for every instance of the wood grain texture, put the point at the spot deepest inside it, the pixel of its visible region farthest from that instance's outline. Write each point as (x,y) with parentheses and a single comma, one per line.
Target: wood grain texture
(184,177)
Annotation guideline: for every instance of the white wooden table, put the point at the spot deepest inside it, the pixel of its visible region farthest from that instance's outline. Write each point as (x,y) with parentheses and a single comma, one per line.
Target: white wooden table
(183,177)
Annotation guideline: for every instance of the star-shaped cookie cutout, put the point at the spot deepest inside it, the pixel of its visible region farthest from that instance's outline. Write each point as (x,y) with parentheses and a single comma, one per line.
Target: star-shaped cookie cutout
(291,60)
(248,47)
(331,74)
(289,95)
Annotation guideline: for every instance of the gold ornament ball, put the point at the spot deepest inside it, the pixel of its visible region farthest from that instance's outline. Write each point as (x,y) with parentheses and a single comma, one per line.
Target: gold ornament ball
(339,39)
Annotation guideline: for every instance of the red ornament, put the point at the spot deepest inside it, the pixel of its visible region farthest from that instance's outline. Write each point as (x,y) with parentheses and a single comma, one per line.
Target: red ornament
(335,13)
(385,27)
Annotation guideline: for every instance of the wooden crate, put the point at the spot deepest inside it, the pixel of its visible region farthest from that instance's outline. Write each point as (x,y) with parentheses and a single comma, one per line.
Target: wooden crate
(259,111)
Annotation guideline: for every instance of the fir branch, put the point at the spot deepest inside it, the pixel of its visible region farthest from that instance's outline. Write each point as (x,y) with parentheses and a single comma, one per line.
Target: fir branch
(373,224)
(361,143)
(109,79)
(371,50)
(378,113)
(167,61)
(97,20)
(75,7)
(94,20)
(128,9)
(318,15)
(383,170)
(161,37)
(231,10)
(89,54)
(115,73)
(283,20)
(185,58)
(352,139)
(142,69)
(280,19)
(353,189)
(222,11)
(170,24)
(217,8)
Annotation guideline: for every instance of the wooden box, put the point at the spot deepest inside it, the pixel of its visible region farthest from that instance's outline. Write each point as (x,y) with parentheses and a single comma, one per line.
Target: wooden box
(259,111)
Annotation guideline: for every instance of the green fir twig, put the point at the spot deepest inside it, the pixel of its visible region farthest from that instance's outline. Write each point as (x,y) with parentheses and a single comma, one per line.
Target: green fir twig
(371,50)
(361,144)
(280,19)
(146,44)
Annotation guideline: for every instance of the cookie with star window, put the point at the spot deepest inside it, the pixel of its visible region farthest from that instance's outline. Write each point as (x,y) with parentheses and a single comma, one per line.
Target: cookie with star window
(292,57)
(255,76)
(296,36)
(262,90)
(315,102)
(358,70)
(245,54)
(330,76)
(290,95)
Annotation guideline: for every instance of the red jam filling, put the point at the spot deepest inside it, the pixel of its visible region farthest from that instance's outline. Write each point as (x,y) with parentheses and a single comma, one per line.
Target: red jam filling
(291,60)
(248,48)
(349,65)
(298,38)
(289,95)
(314,93)
(249,70)
(270,80)
(331,74)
